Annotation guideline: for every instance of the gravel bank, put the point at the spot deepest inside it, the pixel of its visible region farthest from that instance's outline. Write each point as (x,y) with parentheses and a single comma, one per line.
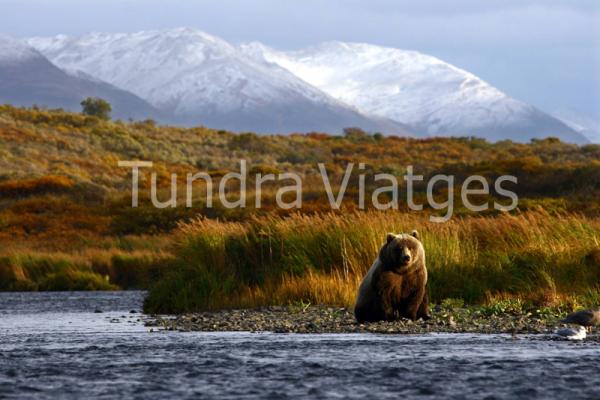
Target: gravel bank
(321,319)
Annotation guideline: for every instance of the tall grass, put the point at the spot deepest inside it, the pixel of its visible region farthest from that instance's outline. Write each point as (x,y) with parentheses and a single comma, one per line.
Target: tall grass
(94,269)
(322,258)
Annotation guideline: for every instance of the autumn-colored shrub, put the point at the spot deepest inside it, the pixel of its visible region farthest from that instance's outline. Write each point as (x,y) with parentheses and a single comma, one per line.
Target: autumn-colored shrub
(263,170)
(36,186)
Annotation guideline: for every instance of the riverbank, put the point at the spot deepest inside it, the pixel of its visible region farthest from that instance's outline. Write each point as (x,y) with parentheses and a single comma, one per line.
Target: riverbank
(322,319)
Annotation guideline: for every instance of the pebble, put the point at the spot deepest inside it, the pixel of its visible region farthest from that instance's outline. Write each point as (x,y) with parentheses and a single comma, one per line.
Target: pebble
(322,319)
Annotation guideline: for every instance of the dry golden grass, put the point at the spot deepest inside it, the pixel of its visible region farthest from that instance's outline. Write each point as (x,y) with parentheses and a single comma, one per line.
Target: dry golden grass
(322,258)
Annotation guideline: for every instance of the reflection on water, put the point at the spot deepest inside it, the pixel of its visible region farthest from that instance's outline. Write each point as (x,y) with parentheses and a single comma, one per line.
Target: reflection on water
(56,345)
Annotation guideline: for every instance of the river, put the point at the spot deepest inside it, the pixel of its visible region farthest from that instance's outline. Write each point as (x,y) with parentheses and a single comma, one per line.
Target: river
(59,345)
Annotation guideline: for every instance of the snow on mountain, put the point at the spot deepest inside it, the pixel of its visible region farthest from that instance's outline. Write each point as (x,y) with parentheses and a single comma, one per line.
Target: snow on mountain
(587,126)
(200,78)
(28,78)
(203,79)
(422,91)
(14,51)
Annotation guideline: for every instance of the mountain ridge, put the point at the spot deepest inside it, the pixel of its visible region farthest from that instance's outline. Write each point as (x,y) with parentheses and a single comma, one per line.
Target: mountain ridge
(202,79)
(587,126)
(420,90)
(28,78)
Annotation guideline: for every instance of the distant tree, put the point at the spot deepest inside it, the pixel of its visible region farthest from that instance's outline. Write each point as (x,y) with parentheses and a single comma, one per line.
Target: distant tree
(96,107)
(355,133)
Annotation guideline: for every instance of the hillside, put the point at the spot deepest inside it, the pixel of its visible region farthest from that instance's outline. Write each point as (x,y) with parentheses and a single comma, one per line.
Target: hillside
(66,220)
(45,142)
(60,174)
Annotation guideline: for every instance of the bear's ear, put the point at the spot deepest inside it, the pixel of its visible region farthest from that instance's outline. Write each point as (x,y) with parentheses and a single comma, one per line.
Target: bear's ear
(416,235)
(389,237)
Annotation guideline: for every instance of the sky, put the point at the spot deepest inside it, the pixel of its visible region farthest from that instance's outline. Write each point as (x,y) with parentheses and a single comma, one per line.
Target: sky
(544,52)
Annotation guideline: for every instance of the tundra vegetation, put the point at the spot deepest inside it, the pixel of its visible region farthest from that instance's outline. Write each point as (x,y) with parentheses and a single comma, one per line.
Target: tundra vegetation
(66,220)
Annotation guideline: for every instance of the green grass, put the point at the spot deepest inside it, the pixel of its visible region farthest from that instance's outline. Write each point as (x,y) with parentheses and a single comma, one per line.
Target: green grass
(91,271)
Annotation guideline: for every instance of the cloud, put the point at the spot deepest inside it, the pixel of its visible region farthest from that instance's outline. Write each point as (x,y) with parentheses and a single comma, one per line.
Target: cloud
(289,24)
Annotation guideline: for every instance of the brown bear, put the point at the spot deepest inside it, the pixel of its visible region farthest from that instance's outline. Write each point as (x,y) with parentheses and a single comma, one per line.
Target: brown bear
(396,284)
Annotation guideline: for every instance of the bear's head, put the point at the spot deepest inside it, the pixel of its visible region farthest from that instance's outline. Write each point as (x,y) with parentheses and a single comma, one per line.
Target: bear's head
(401,251)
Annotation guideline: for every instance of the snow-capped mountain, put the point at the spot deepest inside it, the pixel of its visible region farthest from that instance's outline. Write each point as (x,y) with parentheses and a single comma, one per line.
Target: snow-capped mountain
(28,78)
(422,91)
(200,78)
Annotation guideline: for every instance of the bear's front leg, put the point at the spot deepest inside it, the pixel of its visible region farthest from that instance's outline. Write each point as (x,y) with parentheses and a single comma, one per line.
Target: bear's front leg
(387,293)
(414,305)
(411,312)
(389,312)
(424,308)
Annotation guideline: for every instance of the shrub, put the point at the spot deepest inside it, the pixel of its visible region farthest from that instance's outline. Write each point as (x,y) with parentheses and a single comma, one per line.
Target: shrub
(263,170)
(355,134)
(49,273)
(69,279)
(137,272)
(96,107)
(36,186)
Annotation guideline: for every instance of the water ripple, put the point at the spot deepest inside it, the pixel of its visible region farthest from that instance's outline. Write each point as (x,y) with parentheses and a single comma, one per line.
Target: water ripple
(55,345)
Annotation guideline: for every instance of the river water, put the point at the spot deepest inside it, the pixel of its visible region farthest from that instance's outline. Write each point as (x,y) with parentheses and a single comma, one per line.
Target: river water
(54,345)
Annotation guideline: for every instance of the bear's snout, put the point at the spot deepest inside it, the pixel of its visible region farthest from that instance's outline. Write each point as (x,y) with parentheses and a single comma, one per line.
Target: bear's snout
(405,256)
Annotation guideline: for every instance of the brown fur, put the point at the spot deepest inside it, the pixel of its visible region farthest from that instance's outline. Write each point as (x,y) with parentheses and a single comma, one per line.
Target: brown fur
(396,284)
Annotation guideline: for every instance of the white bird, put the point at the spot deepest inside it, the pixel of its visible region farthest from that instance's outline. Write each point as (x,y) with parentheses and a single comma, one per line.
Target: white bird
(577,333)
